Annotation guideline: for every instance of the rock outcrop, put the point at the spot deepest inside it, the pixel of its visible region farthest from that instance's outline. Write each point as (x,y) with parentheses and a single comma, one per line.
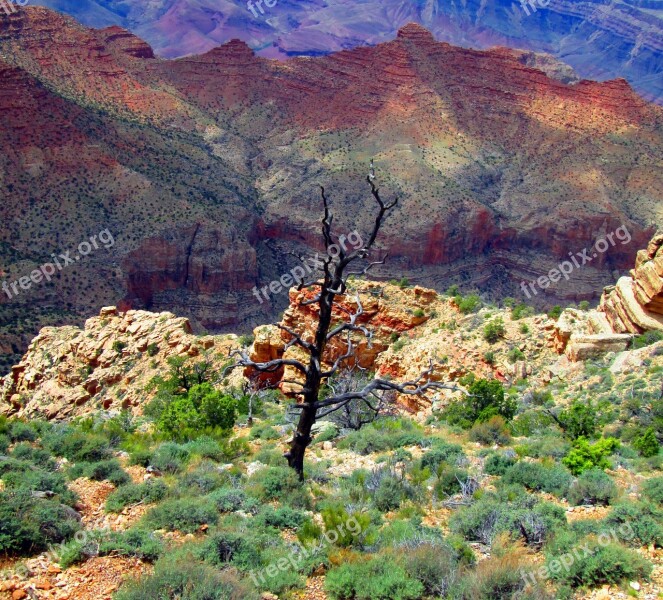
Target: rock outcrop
(70,372)
(634,305)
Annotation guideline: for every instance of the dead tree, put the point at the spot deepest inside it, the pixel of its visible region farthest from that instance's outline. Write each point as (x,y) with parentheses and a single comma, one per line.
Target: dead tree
(332,284)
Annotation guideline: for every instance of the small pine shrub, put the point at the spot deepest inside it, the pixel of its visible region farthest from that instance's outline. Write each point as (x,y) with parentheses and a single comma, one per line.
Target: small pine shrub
(584,456)
(170,457)
(647,444)
(233,499)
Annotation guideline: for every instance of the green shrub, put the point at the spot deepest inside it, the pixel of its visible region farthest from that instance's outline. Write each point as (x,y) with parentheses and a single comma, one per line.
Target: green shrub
(233,499)
(469,304)
(439,453)
(551,478)
(492,431)
(489,357)
(592,487)
(204,479)
(282,517)
(553,446)
(382,435)
(435,565)
(152,490)
(520,516)
(280,483)
(653,489)
(184,578)
(578,420)
(514,355)
(104,470)
(36,456)
(76,445)
(19,431)
(152,349)
(637,523)
(555,312)
(449,480)
(137,542)
(599,564)
(170,457)
(235,545)
(38,480)
(374,579)
(521,311)
(29,524)
(118,346)
(646,339)
(264,431)
(487,399)
(494,331)
(336,518)
(498,463)
(184,514)
(390,493)
(647,444)
(584,456)
(531,422)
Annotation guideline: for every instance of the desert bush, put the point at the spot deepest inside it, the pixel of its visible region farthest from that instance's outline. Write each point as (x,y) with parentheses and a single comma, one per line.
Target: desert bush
(182,514)
(653,489)
(283,517)
(170,457)
(637,523)
(152,490)
(440,452)
(374,579)
(553,446)
(29,524)
(26,477)
(646,339)
(492,431)
(203,480)
(603,564)
(104,470)
(36,456)
(531,422)
(19,431)
(549,477)
(382,435)
(593,487)
(264,431)
(76,445)
(233,499)
(435,565)
(449,480)
(584,456)
(494,331)
(523,516)
(4,443)
(279,483)
(498,463)
(185,578)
